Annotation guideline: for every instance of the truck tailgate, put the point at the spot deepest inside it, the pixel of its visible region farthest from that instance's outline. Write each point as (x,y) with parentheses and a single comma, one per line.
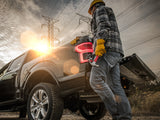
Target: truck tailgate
(133,68)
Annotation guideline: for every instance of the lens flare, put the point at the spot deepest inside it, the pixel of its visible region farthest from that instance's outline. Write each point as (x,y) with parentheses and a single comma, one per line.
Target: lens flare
(71,67)
(42,47)
(30,40)
(75,69)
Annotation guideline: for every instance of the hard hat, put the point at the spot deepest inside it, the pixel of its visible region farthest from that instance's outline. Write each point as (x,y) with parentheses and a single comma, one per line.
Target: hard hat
(93,3)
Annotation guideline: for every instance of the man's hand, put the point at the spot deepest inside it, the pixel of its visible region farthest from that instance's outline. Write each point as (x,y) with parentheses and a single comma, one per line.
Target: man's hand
(100,48)
(74,41)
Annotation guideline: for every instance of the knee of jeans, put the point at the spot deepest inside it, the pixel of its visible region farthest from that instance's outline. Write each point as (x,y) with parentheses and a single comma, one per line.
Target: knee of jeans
(95,85)
(92,83)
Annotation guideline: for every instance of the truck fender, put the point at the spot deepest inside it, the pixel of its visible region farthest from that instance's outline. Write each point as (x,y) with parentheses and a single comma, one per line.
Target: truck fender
(47,67)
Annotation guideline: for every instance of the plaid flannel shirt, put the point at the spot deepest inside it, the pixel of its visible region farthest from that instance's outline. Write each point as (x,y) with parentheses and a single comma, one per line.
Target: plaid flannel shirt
(104,26)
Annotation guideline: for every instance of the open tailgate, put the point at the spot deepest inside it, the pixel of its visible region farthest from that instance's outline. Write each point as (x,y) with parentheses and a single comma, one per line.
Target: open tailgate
(134,69)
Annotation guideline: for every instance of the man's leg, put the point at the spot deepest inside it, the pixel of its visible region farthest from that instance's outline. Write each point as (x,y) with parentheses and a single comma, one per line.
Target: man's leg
(97,81)
(123,105)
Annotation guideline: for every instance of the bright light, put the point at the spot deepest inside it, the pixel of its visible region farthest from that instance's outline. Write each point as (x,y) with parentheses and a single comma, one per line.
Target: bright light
(31,41)
(42,47)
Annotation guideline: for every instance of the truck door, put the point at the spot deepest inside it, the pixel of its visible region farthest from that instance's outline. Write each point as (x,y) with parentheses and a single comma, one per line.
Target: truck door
(8,80)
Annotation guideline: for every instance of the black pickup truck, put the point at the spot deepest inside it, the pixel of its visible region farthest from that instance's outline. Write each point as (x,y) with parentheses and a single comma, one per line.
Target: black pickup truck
(43,85)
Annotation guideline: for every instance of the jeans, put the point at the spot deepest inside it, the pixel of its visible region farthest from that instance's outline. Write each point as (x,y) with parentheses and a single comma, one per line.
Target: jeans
(105,81)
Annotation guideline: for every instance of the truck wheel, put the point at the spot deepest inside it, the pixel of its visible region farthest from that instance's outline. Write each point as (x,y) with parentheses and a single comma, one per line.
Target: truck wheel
(92,111)
(44,103)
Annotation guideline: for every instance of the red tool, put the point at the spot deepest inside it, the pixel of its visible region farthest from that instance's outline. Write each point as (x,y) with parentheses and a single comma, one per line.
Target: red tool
(93,62)
(86,48)
(82,49)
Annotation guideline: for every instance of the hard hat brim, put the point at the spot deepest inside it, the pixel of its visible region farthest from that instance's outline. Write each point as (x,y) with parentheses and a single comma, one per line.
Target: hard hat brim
(93,3)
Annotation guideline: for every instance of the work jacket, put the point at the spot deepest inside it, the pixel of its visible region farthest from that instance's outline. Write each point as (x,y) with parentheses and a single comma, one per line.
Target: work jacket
(104,26)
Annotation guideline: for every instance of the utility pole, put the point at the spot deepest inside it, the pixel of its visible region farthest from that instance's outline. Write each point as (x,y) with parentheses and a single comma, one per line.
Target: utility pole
(86,20)
(51,28)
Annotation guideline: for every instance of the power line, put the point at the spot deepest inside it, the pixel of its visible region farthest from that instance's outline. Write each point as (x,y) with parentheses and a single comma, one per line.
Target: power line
(139,19)
(74,17)
(86,20)
(130,8)
(143,42)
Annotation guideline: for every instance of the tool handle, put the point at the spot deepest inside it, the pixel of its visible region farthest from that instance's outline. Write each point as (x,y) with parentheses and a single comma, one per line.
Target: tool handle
(96,58)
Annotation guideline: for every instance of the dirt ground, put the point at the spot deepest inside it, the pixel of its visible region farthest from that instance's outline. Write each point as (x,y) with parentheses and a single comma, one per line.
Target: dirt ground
(14,116)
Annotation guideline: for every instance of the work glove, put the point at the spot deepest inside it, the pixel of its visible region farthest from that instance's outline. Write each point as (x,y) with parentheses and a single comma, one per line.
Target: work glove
(74,41)
(100,48)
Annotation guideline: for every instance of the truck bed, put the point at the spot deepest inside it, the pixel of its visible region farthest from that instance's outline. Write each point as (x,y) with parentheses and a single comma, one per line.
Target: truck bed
(134,69)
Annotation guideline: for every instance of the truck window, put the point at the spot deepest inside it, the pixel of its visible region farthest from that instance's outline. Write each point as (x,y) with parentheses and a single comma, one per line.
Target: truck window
(16,64)
(4,70)
(3,73)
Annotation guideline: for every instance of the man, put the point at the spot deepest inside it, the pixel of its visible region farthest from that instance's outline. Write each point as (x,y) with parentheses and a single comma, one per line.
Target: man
(105,79)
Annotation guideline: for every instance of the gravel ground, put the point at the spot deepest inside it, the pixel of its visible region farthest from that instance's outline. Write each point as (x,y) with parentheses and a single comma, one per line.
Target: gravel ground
(13,116)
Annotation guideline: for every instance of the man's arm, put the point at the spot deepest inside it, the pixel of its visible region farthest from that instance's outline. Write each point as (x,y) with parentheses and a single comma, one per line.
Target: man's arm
(103,26)
(102,22)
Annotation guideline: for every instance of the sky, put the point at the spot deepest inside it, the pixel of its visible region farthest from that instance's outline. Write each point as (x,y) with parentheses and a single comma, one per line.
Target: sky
(138,22)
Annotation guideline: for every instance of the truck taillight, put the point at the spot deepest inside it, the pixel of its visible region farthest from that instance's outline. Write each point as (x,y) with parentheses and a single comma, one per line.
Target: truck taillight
(83,49)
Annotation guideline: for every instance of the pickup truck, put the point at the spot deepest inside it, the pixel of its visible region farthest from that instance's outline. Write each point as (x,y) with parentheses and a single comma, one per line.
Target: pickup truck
(43,85)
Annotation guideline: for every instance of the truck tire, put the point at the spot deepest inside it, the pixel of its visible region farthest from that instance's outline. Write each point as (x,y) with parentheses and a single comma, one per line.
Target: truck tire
(92,111)
(44,103)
